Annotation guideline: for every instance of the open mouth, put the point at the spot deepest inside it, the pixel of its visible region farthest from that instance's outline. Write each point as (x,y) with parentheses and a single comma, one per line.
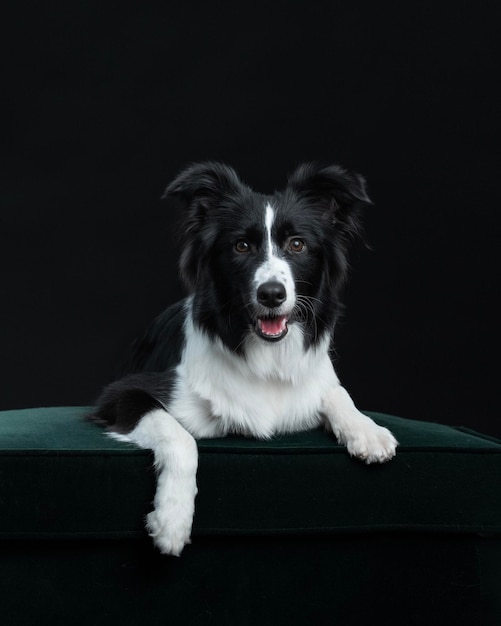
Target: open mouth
(272,328)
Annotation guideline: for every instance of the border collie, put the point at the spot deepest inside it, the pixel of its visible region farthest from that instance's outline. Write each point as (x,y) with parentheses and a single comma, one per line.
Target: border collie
(247,352)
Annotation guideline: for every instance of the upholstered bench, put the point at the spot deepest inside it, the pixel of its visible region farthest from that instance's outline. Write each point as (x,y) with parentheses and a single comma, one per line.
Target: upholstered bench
(288,531)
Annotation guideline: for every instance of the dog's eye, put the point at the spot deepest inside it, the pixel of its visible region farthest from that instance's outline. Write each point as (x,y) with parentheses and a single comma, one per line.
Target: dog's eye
(296,244)
(242,246)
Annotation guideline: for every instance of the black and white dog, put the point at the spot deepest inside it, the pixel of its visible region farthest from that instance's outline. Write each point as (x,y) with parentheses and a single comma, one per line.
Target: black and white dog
(247,352)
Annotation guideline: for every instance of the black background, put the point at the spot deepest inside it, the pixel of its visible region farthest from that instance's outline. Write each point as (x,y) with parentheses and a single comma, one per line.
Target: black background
(106,102)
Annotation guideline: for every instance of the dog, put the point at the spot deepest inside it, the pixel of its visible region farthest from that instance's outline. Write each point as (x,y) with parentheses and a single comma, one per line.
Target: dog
(247,351)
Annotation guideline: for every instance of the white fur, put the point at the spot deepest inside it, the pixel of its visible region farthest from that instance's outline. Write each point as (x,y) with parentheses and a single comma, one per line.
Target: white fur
(176,460)
(363,438)
(275,388)
(275,268)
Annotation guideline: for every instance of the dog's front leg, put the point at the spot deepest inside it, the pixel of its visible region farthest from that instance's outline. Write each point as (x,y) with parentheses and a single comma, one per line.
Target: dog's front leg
(363,438)
(176,460)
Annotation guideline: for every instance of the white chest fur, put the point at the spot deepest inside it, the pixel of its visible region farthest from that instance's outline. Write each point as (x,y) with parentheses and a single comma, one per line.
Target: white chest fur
(275,387)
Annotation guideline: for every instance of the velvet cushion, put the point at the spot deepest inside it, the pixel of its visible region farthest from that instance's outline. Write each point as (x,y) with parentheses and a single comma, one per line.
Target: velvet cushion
(61,476)
(290,531)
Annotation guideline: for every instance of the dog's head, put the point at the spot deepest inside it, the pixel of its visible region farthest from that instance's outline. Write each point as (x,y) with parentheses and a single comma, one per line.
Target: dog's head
(261,263)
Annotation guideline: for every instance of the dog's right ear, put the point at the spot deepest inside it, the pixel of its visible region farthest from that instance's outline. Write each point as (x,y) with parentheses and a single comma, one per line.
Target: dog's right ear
(200,187)
(203,183)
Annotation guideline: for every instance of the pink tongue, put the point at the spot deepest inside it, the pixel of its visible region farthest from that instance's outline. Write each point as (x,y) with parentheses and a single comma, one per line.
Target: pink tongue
(273,326)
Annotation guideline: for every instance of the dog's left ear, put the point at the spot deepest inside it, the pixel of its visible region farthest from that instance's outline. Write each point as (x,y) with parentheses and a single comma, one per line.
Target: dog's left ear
(339,192)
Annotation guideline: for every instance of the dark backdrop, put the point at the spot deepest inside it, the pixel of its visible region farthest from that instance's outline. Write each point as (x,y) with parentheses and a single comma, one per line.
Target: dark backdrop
(106,102)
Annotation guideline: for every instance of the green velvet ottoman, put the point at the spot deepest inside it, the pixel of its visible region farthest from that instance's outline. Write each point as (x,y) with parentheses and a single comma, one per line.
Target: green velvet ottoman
(289,531)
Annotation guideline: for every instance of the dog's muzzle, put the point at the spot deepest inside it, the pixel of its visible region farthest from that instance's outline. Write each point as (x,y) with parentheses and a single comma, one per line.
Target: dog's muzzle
(272,326)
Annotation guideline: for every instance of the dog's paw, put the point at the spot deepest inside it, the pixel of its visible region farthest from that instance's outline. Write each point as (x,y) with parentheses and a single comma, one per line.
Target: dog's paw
(169,535)
(371,443)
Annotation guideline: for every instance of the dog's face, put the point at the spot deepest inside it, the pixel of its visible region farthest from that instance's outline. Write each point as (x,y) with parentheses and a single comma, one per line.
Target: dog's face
(274,264)
(258,264)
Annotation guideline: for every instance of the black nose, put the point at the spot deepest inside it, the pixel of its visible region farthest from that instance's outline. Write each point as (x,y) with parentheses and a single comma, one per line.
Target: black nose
(271,294)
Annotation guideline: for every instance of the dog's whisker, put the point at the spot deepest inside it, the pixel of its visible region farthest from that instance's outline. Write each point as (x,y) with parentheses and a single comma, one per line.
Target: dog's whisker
(306,308)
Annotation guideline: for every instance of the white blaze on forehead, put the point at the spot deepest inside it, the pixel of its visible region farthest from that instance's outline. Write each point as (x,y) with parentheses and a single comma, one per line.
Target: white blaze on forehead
(268,223)
(274,266)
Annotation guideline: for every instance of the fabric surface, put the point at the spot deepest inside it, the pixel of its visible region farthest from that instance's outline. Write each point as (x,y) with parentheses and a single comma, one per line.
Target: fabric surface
(324,580)
(62,476)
